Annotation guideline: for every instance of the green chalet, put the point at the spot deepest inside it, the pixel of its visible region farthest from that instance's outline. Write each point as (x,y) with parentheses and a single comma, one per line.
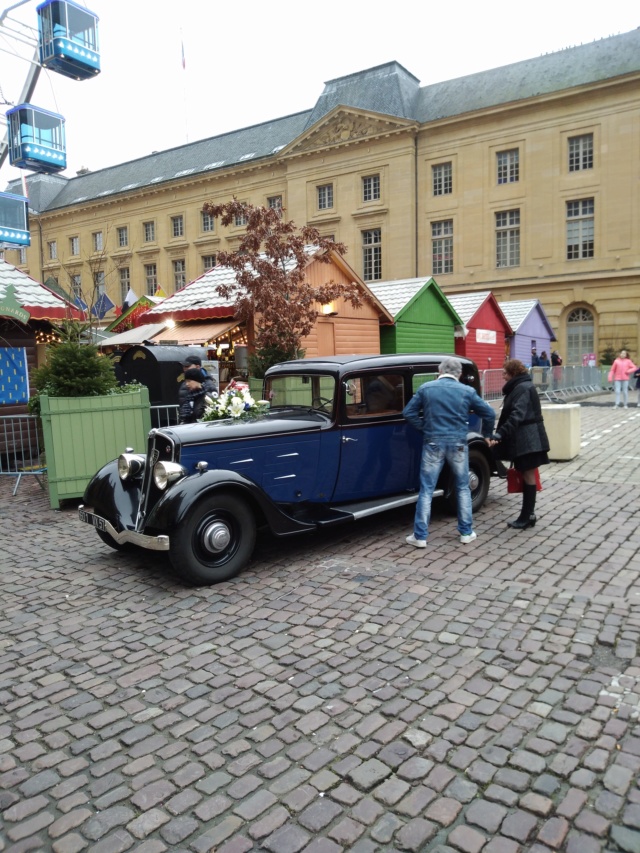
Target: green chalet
(424,319)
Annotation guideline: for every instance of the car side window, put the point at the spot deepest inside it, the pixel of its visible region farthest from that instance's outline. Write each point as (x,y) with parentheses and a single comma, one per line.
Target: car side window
(419,379)
(374,394)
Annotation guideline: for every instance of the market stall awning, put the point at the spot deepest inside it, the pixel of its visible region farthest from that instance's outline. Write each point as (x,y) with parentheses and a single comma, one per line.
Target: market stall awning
(134,336)
(185,334)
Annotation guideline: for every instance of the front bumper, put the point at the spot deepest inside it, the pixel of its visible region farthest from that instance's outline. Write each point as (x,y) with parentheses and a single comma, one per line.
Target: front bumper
(151,543)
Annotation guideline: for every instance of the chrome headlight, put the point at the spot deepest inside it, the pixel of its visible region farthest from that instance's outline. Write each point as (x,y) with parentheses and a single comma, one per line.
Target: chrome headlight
(130,465)
(165,473)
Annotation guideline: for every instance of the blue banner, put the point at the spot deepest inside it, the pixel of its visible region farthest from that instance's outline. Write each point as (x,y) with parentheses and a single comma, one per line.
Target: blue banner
(14,377)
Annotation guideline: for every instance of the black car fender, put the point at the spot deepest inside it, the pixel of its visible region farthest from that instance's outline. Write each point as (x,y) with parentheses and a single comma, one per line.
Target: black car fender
(174,506)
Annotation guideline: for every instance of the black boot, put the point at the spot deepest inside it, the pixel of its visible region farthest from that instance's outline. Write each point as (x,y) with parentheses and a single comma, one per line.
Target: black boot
(527,516)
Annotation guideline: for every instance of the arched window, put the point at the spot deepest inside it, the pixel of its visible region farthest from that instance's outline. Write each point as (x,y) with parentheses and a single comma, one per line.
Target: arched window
(580,336)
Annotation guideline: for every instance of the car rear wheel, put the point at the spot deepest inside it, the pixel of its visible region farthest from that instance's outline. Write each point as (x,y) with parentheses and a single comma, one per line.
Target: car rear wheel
(215,542)
(479,479)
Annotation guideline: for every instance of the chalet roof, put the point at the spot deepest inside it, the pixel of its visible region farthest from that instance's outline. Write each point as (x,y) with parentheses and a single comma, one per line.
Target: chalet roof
(398,294)
(39,301)
(467,304)
(387,89)
(518,310)
(395,295)
(138,335)
(199,300)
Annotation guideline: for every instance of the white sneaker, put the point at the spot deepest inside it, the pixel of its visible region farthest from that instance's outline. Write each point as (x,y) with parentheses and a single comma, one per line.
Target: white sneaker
(417,543)
(468,537)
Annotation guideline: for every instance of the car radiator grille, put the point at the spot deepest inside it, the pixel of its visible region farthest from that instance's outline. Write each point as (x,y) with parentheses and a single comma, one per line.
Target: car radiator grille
(160,448)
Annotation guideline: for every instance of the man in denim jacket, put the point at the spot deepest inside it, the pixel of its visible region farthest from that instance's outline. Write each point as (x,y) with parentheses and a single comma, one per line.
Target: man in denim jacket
(441,410)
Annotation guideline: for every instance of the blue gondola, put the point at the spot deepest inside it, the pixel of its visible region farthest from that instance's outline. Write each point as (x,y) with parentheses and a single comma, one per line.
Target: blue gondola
(14,220)
(36,139)
(68,39)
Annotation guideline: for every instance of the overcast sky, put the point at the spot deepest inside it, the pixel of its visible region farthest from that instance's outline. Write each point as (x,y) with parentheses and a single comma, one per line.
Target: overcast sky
(253,61)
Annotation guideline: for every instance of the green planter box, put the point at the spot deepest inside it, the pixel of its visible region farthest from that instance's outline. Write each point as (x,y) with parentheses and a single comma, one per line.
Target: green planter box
(81,434)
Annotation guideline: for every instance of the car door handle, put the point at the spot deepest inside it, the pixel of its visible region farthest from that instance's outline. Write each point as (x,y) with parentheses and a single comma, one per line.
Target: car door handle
(345,439)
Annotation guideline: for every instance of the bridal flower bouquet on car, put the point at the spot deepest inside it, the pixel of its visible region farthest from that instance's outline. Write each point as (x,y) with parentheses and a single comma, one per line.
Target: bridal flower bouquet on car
(234,403)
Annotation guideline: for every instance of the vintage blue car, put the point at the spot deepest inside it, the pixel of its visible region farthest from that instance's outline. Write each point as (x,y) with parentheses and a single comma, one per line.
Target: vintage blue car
(332,447)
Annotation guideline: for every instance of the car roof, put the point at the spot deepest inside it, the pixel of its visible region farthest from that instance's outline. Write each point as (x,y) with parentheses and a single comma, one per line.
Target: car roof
(341,363)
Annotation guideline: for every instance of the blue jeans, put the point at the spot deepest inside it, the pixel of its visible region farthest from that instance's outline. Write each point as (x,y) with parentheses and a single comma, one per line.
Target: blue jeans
(622,389)
(434,454)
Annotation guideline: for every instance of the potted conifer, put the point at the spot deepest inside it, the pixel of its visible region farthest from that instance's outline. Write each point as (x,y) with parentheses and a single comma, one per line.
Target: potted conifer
(87,418)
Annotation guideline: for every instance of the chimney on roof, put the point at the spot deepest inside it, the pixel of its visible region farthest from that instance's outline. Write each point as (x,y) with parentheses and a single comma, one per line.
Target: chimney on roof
(83,170)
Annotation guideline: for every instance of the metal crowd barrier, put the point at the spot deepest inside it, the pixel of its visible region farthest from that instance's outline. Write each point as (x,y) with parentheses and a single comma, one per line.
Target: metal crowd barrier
(20,448)
(555,384)
(163,416)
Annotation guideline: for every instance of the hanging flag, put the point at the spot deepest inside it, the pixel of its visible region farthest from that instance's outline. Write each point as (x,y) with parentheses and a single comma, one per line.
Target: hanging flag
(184,64)
(130,299)
(80,303)
(160,292)
(103,304)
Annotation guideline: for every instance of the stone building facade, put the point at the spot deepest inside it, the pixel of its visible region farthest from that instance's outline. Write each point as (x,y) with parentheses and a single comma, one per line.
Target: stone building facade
(523,180)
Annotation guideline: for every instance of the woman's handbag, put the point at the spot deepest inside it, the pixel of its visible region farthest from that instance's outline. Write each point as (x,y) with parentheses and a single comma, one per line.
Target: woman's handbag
(515,483)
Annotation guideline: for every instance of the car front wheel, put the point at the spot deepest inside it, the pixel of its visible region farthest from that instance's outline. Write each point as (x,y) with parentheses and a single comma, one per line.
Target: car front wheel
(215,542)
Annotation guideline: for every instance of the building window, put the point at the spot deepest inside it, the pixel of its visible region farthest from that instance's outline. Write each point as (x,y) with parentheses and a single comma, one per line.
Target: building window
(508,166)
(76,286)
(179,274)
(98,241)
(508,238)
(52,249)
(151,279)
(372,254)
(208,262)
(442,247)
(240,220)
(123,236)
(99,287)
(581,152)
(325,196)
(580,335)
(442,178)
(580,229)
(274,202)
(74,245)
(125,283)
(149,229)
(371,188)
(177,226)
(208,221)
(23,256)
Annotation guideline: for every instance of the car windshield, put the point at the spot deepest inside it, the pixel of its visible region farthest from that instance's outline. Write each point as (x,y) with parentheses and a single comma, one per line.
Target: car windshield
(312,391)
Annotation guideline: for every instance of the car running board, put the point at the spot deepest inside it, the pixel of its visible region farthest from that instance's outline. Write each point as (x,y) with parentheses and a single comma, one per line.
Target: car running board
(361,509)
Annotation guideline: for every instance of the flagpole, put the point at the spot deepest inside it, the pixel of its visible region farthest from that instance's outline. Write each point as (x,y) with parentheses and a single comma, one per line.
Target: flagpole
(184,89)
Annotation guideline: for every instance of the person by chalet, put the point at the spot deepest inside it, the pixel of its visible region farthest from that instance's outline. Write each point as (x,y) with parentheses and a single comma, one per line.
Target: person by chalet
(191,397)
(206,379)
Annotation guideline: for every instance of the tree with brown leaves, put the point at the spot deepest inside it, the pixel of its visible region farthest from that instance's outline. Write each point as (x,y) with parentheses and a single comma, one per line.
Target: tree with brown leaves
(271,282)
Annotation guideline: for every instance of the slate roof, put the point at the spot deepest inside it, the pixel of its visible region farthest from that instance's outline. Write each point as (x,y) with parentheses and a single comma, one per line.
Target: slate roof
(39,301)
(387,89)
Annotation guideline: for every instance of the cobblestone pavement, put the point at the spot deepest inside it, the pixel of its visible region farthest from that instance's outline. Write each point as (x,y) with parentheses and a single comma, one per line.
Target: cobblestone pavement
(345,693)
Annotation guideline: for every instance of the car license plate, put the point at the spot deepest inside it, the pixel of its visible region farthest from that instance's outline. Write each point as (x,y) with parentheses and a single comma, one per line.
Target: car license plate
(89,518)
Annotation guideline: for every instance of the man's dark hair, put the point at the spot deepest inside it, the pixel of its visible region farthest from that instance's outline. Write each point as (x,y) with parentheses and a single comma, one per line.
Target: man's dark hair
(192,359)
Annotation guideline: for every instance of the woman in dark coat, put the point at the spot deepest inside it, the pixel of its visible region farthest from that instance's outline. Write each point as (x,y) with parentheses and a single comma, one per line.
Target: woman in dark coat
(520,435)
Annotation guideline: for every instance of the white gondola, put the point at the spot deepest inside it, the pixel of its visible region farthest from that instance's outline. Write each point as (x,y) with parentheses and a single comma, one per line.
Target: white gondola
(14,220)
(68,39)
(36,139)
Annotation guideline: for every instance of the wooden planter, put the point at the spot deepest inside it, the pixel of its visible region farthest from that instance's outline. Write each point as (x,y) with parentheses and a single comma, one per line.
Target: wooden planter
(81,434)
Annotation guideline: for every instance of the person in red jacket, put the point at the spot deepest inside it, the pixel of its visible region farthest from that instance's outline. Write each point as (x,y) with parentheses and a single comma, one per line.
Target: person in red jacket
(621,370)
